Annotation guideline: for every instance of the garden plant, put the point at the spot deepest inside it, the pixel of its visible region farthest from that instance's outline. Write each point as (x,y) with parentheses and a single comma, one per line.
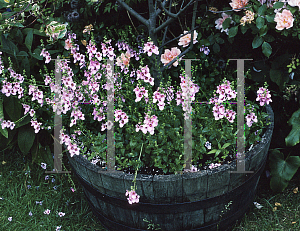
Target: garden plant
(143,77)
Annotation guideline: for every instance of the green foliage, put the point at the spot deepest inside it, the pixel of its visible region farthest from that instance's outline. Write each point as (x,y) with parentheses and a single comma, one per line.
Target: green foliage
(266,49)
(26,138)
(282,170)
(3,131)
(293,137)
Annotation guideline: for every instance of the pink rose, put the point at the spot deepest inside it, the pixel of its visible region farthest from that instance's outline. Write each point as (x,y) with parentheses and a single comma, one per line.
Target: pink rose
(236,4)
(185,40)
(169,55)
(284,20)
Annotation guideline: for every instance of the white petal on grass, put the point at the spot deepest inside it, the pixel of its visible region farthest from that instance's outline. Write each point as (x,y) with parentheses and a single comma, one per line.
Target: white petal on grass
(259,206)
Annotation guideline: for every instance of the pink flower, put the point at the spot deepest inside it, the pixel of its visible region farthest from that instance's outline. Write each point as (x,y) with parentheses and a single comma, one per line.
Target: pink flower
(263,96)
(169,55)
(61,214)
(284,20)
(150,48)
(124,59)
(220,21)
(294,3)
(68,44)
(133,197)
(236,4)
(47,211)
(185,40)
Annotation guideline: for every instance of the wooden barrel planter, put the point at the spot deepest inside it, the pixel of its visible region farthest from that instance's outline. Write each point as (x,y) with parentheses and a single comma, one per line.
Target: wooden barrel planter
(188,201)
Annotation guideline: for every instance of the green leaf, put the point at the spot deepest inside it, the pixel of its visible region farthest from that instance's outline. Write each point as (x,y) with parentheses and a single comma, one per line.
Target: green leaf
(294,136)
(36,54)
(132,144)
(216,48)
(275,76)
(8,46)
(13,108)
(257,41)
(22,54)
(278,5)
(270,18)
(226,23)
(19,36)
(204,42)
(269,38)
(4,131)
(282,171)
(266,49)
(260,22)
(232,31)
(29,39)
(262,9)
(212,151)
(226,145)
(26,138)
(23,122)
(263,31)
(244,29)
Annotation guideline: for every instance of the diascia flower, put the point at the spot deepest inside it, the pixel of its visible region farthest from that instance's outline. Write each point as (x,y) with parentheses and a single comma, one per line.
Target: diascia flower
(236,4)
(185,40)
(169,55)
(284,20)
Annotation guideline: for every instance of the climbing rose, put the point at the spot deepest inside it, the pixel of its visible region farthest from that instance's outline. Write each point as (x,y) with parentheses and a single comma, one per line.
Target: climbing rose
(284,20)
(169,55)
(294,3)
(185,40)
(220,21)
(236,4)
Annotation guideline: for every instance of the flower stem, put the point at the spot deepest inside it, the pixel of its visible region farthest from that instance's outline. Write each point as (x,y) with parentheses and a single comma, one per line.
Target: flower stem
(134,180)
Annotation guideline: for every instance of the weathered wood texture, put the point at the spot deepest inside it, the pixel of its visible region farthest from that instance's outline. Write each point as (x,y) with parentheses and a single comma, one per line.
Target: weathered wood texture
(167,199)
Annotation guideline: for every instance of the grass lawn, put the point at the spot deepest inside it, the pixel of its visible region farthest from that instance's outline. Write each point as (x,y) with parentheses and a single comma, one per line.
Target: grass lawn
(27,195)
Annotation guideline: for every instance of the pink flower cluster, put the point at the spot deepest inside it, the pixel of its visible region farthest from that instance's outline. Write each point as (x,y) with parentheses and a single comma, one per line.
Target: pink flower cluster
(46,55)
(150,48)
(225,93)
(160,98)
(212,165)
(139,93)
(7,124)
(15,87)
(120,115)
(250,118)
(263,96)
(149,124)
(36,125)
(73,149)
(189,89)
(133,196)
(36,94)
(77,114)
(144,74)
(123,46)
(1,66)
